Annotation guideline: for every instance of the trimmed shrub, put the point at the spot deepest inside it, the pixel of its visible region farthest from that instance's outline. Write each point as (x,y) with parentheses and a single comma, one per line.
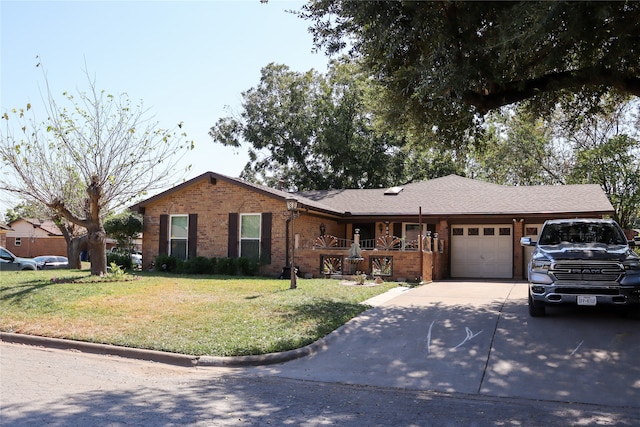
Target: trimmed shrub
(227,266)
(248,267)
(166,263)
(203,265)
(198,265)
(121,260)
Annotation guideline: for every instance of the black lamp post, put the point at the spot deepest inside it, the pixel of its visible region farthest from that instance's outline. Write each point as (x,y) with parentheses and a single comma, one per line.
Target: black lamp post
(291,214)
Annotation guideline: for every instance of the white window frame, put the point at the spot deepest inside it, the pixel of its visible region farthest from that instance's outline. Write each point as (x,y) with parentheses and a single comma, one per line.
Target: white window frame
(185,239)
(18,241)
(241,238)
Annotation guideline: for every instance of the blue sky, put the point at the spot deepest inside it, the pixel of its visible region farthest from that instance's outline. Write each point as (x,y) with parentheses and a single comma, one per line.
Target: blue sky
(188,61)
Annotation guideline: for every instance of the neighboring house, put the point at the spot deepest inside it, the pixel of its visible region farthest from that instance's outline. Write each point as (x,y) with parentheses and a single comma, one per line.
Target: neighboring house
(29,238)
(449,227)
(3,234)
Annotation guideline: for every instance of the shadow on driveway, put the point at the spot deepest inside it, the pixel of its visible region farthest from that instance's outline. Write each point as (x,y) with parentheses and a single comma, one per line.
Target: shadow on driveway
(477,338)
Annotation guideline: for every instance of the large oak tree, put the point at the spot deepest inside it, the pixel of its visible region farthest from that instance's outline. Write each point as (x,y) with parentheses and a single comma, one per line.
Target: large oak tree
(449,62)
(307,130)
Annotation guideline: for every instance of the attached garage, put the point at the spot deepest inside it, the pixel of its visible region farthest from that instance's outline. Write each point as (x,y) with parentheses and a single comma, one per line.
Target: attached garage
(482,251)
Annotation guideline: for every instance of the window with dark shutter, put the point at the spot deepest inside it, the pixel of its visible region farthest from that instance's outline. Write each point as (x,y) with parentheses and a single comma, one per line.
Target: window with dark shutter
(265,254)
(250,225)
(193,236)
(164,235)
(178,236)
(232,245)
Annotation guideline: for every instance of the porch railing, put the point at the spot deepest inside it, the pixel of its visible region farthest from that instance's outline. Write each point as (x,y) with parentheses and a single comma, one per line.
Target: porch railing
(387,243)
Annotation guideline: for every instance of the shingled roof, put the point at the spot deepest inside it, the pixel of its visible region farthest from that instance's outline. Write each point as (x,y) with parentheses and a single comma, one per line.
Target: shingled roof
(47,226)
(449,195)
(455,195)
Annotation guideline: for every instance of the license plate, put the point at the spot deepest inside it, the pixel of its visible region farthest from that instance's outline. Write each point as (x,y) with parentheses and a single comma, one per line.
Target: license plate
(587,300)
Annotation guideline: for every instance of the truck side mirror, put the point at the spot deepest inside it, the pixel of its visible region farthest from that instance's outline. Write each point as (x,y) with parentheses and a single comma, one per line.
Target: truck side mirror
(526,241)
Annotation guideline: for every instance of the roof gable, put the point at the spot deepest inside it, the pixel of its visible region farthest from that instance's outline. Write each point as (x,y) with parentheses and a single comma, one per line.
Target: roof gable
(47,226)
(211,176)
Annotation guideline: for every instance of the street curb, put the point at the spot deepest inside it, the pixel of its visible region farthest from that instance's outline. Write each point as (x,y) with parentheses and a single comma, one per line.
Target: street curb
(190,360)
(102,349)
(166,357)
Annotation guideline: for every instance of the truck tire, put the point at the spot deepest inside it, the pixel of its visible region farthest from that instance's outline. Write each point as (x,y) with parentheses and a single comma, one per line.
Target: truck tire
(536,309)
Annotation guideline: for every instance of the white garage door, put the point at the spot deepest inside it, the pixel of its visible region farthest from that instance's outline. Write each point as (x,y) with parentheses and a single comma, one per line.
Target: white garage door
(482,251)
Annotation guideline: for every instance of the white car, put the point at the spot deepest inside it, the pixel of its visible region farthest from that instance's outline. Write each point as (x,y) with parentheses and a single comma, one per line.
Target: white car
(136,257)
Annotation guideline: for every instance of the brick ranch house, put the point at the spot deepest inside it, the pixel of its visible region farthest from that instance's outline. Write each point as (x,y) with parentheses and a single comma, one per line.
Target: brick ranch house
(3,234)
(29,238)
(449,227)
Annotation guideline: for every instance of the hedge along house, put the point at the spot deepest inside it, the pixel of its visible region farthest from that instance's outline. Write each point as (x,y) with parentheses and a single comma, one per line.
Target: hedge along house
(449,227)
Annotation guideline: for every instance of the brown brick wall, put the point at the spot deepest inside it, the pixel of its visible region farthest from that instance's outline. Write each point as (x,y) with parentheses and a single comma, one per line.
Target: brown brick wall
(33,247)
(213,203)
(406,264)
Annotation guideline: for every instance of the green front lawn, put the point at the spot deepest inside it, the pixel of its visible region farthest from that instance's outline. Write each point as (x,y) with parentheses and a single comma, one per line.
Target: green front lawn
(197,315)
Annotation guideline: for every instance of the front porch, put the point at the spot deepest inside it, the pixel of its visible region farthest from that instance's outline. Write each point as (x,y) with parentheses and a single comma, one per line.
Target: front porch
(387,257)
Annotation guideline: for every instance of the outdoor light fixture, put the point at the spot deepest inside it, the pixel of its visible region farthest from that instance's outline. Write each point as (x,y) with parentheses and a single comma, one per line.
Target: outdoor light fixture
(323,229)
(292,204)
(291,214)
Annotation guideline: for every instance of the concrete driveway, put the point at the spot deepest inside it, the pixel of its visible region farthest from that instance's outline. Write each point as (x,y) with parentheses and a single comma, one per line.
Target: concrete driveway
(477,338)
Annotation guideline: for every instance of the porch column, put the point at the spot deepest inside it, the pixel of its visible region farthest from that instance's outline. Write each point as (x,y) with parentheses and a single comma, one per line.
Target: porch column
(518,250)
(441,259)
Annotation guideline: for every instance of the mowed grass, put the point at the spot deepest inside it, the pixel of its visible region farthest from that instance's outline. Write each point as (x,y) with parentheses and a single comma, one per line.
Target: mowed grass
(197,315)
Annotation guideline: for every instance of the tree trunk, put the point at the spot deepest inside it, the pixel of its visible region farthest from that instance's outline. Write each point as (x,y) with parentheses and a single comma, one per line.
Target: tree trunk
(96,241)
(74,243)
(74,248)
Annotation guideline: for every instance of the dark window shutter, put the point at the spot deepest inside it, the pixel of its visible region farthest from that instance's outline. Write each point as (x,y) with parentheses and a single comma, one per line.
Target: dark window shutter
(232,245)
(265,253)
(193,236)
(164,235)
(397,229)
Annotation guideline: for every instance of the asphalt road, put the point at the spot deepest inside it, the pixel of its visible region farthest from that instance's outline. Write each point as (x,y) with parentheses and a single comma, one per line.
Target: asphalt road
(446,354)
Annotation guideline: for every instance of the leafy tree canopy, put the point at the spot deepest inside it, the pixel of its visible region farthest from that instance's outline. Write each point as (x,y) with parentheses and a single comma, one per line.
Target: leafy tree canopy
(27,209)
(312,131)
(124,227)
(447,62)
(520,149)
(602,148)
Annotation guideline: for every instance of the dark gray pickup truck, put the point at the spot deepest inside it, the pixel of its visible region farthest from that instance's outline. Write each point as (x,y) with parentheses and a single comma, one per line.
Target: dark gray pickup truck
(582,262)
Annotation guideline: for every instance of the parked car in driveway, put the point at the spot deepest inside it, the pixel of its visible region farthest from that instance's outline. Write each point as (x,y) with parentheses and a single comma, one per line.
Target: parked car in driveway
(49,262)
(582,262)
(9,261)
